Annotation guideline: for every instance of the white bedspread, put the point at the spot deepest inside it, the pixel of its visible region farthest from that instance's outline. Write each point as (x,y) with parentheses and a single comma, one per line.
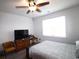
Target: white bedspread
(52,50)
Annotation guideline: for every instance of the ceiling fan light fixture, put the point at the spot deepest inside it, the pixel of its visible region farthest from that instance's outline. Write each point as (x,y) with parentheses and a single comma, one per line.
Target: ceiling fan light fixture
(32,8)
(31,3)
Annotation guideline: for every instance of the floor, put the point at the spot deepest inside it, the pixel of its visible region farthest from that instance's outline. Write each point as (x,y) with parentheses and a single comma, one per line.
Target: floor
(18,55)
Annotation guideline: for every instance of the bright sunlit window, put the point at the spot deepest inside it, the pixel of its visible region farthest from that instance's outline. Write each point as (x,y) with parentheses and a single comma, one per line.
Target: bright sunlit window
(54,27)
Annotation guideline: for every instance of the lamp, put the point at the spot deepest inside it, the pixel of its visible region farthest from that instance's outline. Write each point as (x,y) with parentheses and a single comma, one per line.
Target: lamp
(32,6)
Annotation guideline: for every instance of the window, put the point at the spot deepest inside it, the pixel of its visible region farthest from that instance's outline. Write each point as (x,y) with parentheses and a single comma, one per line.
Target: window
(54,27)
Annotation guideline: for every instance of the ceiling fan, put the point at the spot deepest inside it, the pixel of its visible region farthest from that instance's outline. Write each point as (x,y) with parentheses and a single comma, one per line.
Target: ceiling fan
(32,6)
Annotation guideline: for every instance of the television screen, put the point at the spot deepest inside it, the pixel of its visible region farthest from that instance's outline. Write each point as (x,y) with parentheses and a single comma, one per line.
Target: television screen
(20,34)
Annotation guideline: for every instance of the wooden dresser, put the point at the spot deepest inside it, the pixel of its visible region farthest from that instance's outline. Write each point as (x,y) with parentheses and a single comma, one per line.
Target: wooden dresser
(18,45)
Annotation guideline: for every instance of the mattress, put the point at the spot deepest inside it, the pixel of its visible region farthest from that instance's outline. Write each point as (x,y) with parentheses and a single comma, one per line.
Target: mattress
(52,50)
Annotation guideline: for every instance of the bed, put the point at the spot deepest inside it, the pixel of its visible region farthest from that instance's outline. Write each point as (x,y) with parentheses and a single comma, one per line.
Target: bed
(52,50)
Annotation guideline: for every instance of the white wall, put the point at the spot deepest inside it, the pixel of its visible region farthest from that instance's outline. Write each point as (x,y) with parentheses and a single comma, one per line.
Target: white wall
(10,22)
(72,25)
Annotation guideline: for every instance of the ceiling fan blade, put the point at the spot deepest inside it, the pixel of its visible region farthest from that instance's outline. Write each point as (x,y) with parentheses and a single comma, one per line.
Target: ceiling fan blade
(28,11)
(42,4)
(21,6)
(38,10)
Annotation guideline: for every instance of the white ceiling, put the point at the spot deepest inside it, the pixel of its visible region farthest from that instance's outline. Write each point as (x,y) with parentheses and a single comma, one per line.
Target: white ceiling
(55,5)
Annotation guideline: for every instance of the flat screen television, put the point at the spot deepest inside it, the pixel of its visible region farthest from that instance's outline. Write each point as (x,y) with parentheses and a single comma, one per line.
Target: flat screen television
(20,34)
